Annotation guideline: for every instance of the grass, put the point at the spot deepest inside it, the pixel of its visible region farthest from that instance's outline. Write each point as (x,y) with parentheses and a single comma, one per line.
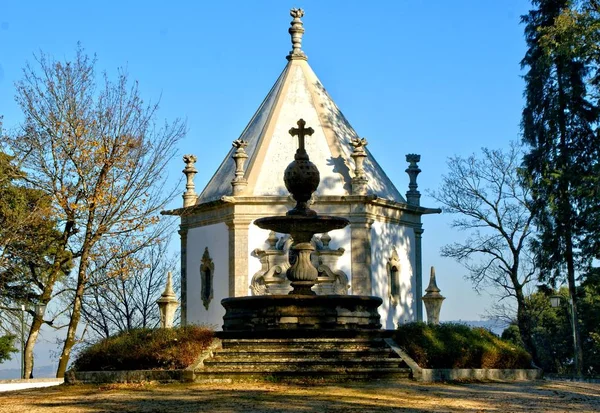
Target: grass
(146,349)
(451,345)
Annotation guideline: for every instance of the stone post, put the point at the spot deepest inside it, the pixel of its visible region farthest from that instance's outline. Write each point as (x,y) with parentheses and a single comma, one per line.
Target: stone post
(360,241)
(167,304)
(189,196)
(413,196)
(183,281)
(238,256)
(240,156)
(359,181)
(419,270)
(433,300)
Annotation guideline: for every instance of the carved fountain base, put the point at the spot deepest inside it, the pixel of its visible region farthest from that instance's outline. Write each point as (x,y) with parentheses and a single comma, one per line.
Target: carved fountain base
(301,312)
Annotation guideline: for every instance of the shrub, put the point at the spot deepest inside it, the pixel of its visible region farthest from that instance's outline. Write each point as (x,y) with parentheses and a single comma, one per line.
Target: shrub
(146,349)
(451,345)
(6,347)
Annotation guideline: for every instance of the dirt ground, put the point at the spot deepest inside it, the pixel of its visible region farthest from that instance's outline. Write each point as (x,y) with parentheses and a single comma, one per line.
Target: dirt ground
(540,396)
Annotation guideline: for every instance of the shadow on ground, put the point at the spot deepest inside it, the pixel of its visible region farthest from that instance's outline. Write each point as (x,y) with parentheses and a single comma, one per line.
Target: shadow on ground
(352,397)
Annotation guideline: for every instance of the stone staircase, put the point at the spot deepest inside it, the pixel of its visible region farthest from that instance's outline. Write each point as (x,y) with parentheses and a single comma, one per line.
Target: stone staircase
(363,357)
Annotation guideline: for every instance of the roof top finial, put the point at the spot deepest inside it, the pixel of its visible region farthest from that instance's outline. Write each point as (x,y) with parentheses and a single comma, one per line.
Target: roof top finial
(296,31)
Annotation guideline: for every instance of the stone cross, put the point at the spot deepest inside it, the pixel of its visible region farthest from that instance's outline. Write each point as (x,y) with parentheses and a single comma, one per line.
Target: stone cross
(301,132)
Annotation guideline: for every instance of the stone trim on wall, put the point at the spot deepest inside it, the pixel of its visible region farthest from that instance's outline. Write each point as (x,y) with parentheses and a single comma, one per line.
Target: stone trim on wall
(238,256)
(183,278)
(360,241)
(419,272)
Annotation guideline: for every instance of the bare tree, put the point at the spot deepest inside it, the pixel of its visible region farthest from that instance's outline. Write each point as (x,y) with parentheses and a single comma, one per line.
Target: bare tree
(95,148)
(493,207)
(122,294)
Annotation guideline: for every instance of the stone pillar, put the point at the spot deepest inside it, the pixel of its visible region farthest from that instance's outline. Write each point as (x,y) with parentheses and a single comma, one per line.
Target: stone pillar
(167,304)
(413,196)
(361,257)
(419,272)
(183,280)
(433,300)
(189,196)
(240,156)
(238,256)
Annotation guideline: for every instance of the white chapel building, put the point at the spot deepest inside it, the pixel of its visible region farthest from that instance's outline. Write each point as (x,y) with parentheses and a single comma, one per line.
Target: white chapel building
(223,254)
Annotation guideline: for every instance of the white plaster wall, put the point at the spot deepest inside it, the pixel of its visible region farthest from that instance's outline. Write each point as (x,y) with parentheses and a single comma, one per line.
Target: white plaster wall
(340,238)
(256,239)
(297,104)
(216,238)
(384,237)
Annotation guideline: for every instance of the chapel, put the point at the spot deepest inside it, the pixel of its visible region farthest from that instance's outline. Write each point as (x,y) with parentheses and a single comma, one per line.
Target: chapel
(223,254)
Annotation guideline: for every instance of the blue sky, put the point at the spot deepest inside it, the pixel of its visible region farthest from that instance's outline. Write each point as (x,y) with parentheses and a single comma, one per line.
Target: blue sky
(438,78)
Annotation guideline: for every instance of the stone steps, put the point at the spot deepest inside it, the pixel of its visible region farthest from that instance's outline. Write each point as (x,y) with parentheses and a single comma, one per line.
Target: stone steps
(301,365)
(292,376)
(298,353)
(301,358)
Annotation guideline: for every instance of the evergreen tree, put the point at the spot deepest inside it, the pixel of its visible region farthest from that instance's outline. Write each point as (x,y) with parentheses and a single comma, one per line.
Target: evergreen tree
(560,126)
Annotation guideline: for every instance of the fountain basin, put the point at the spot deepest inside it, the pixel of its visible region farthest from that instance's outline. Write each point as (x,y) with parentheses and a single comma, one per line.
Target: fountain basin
(301,312)
(297,225)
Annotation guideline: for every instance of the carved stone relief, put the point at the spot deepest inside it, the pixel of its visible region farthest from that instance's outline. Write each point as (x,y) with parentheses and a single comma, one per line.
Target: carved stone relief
(277,258)
(207,270)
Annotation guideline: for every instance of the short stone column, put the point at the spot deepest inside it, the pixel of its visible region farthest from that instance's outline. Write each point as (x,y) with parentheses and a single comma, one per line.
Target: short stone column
(240,156)
(167,304)
(433,300)
(189,196)
(359,181)
(413,196)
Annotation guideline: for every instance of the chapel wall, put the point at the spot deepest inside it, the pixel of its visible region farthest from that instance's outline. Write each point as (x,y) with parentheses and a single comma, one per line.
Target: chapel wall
(385,238)
(214,239)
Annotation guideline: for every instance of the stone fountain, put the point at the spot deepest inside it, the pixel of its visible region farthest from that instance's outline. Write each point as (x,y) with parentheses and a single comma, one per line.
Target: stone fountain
(302,309)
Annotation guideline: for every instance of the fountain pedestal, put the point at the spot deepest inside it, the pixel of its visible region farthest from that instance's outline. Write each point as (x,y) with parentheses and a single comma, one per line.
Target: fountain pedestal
(298,312)
(302,310)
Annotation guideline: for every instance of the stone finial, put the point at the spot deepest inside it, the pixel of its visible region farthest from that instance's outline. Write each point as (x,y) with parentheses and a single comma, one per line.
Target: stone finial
(189,196)
(296,31)
(433,300)
(240,156)
(325,240)
(413,196)
(167,304)
(359,182)
(272,240)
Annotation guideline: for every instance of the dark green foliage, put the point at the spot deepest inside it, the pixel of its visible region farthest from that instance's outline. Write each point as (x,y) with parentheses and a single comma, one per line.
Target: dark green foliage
(552,331)
(28,235)
(146,349)
(560,126)
(451,345)
(7,347)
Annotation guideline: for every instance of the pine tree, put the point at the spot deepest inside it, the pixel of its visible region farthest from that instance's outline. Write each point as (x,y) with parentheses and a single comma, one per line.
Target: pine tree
(560,126)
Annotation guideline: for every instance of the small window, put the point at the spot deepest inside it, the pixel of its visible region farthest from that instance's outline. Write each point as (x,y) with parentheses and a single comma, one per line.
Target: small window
(207,269)
(393,270)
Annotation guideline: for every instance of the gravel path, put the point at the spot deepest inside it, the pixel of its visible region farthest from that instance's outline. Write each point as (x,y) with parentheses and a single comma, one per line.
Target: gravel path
(539,396)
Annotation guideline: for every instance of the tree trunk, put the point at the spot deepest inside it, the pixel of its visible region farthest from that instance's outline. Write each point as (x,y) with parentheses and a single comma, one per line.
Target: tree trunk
(34,332)
(75,317)
(577,348)
(524,323)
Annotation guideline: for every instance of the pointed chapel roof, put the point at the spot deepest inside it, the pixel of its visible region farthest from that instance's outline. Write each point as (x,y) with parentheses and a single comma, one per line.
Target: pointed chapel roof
(296,94)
